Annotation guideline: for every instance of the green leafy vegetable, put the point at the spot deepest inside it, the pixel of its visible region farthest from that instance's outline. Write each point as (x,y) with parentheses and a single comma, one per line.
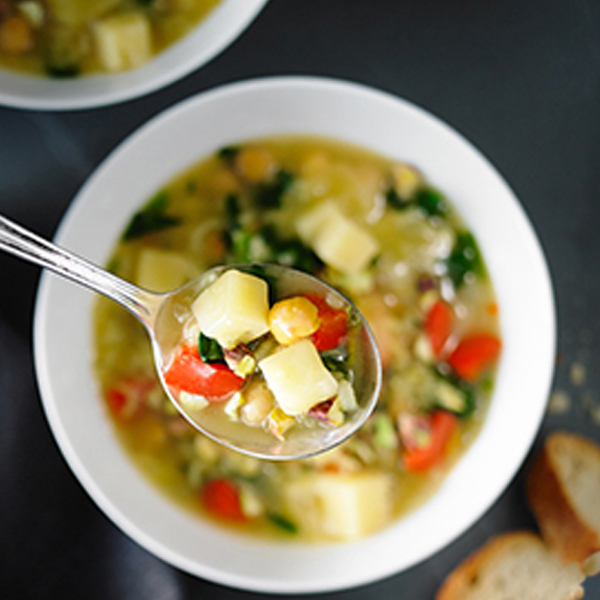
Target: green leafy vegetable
(432,203)
(151,218)
(282,523)
(210,350)
(464,259)
(394,201)
(427,200)
(228,153)
(270,195)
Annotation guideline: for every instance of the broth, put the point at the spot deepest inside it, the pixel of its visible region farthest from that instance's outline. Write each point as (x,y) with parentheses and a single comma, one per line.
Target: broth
(390,242)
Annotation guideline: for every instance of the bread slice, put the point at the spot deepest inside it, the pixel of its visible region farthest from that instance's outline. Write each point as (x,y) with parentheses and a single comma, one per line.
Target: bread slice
(511,566)
(563,489)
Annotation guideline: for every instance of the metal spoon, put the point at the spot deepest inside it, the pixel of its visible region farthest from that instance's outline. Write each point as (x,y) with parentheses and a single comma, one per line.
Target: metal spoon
(163,316)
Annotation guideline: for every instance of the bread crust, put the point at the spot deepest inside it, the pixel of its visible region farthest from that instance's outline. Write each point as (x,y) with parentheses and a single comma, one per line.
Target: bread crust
(459,583)
(561,526)
(462,577)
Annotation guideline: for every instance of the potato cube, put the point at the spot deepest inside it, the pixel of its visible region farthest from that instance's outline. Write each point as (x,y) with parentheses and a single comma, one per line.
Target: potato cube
(298,378)
(233,309)
(123,41)
(162,270)
(336,239)
(341,506)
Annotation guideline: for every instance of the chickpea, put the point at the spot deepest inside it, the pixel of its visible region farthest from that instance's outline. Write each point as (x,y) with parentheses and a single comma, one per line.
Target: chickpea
(292,319)
(16,36)
(255,164)
(258,405)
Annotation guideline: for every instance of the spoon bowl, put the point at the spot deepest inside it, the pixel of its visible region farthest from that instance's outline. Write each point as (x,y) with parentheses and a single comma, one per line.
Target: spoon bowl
(164,317)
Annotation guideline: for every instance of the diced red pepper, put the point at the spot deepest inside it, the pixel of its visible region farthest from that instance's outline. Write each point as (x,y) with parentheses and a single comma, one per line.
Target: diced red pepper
(474,355)
(438,325)
(333,324)
(221,498)
(188,372)
(442,425)
(126,398)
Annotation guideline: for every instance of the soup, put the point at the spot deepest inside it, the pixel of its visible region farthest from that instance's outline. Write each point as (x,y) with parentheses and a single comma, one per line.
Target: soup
(252,355)
(69,38)
(378,231)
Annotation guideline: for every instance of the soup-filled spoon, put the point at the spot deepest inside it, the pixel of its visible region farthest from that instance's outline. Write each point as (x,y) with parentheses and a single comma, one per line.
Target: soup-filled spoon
(264,359)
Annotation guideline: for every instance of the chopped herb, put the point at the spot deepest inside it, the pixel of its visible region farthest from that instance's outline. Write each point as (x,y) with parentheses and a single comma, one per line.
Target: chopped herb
(228,153)
(151,219)
(282,523)
(210,350)
(270,195)
(465,258)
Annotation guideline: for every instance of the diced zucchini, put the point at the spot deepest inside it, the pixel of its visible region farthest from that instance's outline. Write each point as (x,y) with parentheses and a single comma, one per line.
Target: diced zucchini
(298,378)
(337,240)
(341,506)
(233,309)
(162,270)
(123,41)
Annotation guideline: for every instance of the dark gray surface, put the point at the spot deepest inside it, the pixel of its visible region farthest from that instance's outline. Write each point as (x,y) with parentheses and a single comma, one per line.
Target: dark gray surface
(519,78)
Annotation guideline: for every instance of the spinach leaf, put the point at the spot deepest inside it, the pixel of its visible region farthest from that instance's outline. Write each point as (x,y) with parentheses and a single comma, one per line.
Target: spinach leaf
(228,153)
(464,259)
(210,350)
(432,203)
(151,218)
(270,195)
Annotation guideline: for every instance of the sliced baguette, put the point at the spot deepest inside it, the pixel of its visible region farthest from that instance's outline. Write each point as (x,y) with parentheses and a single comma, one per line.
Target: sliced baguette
(563,489)
(511,566)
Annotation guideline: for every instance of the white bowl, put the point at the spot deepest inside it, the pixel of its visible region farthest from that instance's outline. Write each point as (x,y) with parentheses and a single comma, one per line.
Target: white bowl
(219,29)
(362,116)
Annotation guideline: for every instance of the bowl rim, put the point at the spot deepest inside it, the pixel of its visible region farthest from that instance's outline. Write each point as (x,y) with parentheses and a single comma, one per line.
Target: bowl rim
(302,85)
(213,34)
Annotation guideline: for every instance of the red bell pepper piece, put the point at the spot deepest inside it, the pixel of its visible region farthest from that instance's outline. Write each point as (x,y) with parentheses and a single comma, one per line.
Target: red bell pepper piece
(221,498)
(188,372)
(333,324)
(127,397)
(474,355)
(438,325)
(442,425)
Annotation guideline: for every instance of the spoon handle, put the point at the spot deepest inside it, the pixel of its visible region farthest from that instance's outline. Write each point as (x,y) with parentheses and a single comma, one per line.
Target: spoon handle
(27,245)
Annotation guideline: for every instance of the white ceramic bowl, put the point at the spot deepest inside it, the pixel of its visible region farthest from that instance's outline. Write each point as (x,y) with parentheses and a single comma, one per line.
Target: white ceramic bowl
(213,34)
(362,116)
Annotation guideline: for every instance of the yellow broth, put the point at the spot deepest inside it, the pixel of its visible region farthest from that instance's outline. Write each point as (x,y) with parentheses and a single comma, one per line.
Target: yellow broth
(244,204)
(69,38)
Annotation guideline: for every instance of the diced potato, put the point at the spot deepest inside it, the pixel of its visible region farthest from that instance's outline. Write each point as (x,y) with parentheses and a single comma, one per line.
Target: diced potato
(233,309)
(341,506)
(123,41)
(162,270)
(337,240)
(298,378)
(78,12)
